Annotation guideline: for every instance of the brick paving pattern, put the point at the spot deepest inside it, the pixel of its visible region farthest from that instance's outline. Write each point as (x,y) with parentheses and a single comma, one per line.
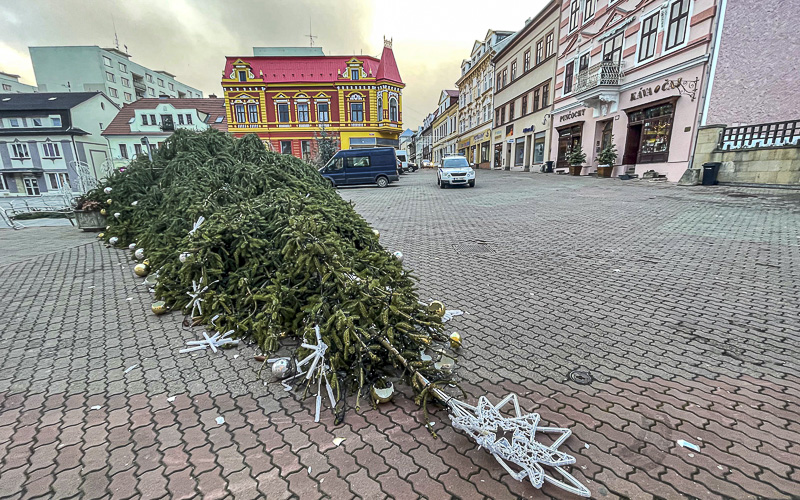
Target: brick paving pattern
(681,303)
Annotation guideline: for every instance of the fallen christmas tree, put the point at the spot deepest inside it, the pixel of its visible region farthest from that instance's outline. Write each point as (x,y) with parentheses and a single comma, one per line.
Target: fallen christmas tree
(255,243)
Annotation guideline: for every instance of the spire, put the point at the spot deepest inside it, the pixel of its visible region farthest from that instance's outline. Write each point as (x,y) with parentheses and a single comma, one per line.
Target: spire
(387,69)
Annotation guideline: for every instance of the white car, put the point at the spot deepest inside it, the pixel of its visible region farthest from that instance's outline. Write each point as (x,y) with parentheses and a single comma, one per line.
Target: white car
(455,171)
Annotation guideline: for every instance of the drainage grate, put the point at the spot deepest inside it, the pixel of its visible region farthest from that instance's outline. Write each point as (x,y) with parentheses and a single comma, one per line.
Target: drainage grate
(473,247)
(581,377)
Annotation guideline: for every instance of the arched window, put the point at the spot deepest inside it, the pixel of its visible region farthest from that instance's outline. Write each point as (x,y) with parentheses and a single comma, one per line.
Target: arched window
(380,107)
(393,109)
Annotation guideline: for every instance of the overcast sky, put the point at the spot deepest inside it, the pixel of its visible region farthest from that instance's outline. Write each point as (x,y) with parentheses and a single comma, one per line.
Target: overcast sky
(192,37)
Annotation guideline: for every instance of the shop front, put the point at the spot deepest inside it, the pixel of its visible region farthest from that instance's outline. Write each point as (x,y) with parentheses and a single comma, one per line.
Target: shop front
(464,148)
(481,146)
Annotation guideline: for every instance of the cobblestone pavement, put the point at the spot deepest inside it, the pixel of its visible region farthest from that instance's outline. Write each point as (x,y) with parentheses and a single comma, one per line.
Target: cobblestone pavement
(681,302)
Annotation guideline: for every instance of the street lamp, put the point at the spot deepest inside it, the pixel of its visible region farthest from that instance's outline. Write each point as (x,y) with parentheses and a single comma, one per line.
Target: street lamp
(146,142)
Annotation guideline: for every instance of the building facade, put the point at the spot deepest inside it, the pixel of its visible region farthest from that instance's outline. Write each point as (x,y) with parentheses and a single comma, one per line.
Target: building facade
(445,126)
(427,136)
(50,146)
(141,126)
(108,70)
(629,73)
(524,71)
(290,101)
(475,109)
(11,83)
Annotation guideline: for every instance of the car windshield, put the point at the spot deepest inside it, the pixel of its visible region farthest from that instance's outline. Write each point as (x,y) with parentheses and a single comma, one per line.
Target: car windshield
(454,163)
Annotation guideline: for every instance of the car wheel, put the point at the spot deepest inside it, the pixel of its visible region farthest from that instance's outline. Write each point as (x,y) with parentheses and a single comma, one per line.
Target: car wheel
(472,184)
(442,185)
(333,184)
(382,182)
(438,182)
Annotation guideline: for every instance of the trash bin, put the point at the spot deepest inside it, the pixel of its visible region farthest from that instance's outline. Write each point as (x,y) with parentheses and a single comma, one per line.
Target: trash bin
(710,171)
(549,167)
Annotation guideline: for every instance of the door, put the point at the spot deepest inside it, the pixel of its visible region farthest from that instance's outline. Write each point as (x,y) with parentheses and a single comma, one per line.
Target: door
(357,169)
(335,170)
(632,142)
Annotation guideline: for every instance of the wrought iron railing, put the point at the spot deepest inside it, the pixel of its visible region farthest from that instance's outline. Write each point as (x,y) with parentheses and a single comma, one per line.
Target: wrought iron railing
(765,135)
(603,73)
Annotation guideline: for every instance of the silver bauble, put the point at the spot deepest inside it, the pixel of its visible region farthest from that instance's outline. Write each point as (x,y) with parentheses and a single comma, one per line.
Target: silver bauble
(280,368)
(134,203)
(398,255)
(113,240)
(139,253)
(184,256)
(107,190)
(117,214)
(132,246)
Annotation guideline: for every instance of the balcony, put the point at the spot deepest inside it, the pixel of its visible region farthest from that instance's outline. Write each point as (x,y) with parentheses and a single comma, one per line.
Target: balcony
(598,86)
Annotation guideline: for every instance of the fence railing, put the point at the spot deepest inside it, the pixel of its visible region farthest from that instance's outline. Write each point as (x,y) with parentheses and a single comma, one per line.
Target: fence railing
(602,73)
(765,135)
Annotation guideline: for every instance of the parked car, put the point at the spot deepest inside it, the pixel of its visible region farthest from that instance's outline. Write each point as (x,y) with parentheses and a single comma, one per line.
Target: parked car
(455,171)
(413,166)
(402,157)
(427,164)
(361,166)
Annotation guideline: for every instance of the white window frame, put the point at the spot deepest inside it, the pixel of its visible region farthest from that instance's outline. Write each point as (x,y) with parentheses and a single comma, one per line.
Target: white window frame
(685,42)
(189,119)
(15,122)
(645,16)
(148,78)
(396,109)
(124,81)
(113,92)
(107,62)
(6,87)
(571,28)
(123,68)
(54,150)
(34,185)
(110,77)
(128,96)
(3,183)
(327,112)
(586,3)
(151,92)
(54,119)
(20,147)
(171,86)
(161,82)
(35,119)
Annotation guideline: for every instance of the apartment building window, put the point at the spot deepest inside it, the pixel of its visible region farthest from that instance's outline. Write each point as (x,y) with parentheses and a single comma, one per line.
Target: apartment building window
(526,60)
(647,45)
(583,62)
(539,52)
(152,120)
(354,74)
(678,20)
(499,86)
(144,120)
(137,149)
(574,14)
(502,114)
(545,95)
(302,112)
(393,115)
(125,82)
(149,78)
(151,92)
(56,121)
(58,180)
(37,122)
(322,112)
(588,10)
(107,61)
(536,94)
(110,77)
(496,119)
(14,122)
(505,75)
(19,151)
(31,186)
(123,68)
(286,147)
(239,111)
(511,111)
(568,73)
(128,96)
(252,112)
(123,151)
(160,82)
(283,113)
(6,87)
(172,86)
(524,110)
(548,44)
(612,48)
(188,119)
(112,92)
(51,150)
(305,149)
(180,119)
(356,112)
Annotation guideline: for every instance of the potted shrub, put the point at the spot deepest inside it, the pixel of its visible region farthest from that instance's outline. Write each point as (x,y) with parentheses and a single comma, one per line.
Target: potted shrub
(576,158)
(606,160)
(88,216)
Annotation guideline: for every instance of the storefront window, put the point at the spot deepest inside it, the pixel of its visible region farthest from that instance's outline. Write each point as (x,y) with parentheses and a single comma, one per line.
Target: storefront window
(538,147)
(519,152)
(652,127)
(568,138)
(485,152)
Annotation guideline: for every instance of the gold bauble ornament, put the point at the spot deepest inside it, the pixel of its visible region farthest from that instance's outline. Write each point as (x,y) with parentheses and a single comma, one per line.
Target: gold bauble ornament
(100,236)
(108,201)
(159,307)
(141,270)
(455,340)
(382,395)
(103,211)
(146,262)
(437,308)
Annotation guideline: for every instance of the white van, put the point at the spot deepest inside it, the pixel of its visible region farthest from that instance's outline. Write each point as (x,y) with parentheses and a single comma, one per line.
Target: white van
(402,157)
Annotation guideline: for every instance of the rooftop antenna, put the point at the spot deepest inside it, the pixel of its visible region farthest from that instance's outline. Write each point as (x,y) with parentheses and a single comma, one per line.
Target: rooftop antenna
(116,39)
(311,37)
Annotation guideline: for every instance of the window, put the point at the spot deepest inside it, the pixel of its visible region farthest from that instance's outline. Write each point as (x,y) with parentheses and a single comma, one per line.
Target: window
(110,77)
(526,61)
(568,73)
(51,150)
(107,61)
(252,112)
(612,49)
(286,147)
(149,78)
(171,86)
(57,181)
(356,161)
(502,114)
(242,76)
(19,151)
(239,111)
(647,44)
(6,87)
(536,94)
(37,122)
(513,70)
(322,112)
(356,112)
(574,14)
(14,122)
(305,149)
(511,111)
(678,19)
(524,110)
(112,92)
(160,82)
(545,95)
(56,121)
(151,92)
(144,120)
(188,119)
(302,112)
(3,183)
(153,120)
(180,119)
(354,74)
(393,110)
(380,107)
(283,113)
(548,45)
(588,10)
(656,128)
(583,62)
(123,151)
(137,149)
(539,52)
(497,121)
(499,86)
(123,68)
(31,186)
(128,96)
(125,82)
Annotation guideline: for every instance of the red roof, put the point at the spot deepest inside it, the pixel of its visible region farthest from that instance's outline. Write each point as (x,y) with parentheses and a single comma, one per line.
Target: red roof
(279,69)
(214,107)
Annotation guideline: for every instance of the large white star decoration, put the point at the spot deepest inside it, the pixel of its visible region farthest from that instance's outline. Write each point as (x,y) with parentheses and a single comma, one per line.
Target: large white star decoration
(197,225)
(512,440)
(197,290)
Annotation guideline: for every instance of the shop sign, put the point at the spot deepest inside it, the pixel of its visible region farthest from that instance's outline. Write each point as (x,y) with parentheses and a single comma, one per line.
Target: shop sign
(483,136)
(509,130)
(463,144)
(498,135)
(528,130)
(648,91)
(572,114)
(510,141)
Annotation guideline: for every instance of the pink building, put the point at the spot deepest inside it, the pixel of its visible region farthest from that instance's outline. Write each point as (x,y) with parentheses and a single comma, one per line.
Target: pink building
(631,72)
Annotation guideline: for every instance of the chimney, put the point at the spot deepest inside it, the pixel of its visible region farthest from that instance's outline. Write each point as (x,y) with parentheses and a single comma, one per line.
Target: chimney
(212,96)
